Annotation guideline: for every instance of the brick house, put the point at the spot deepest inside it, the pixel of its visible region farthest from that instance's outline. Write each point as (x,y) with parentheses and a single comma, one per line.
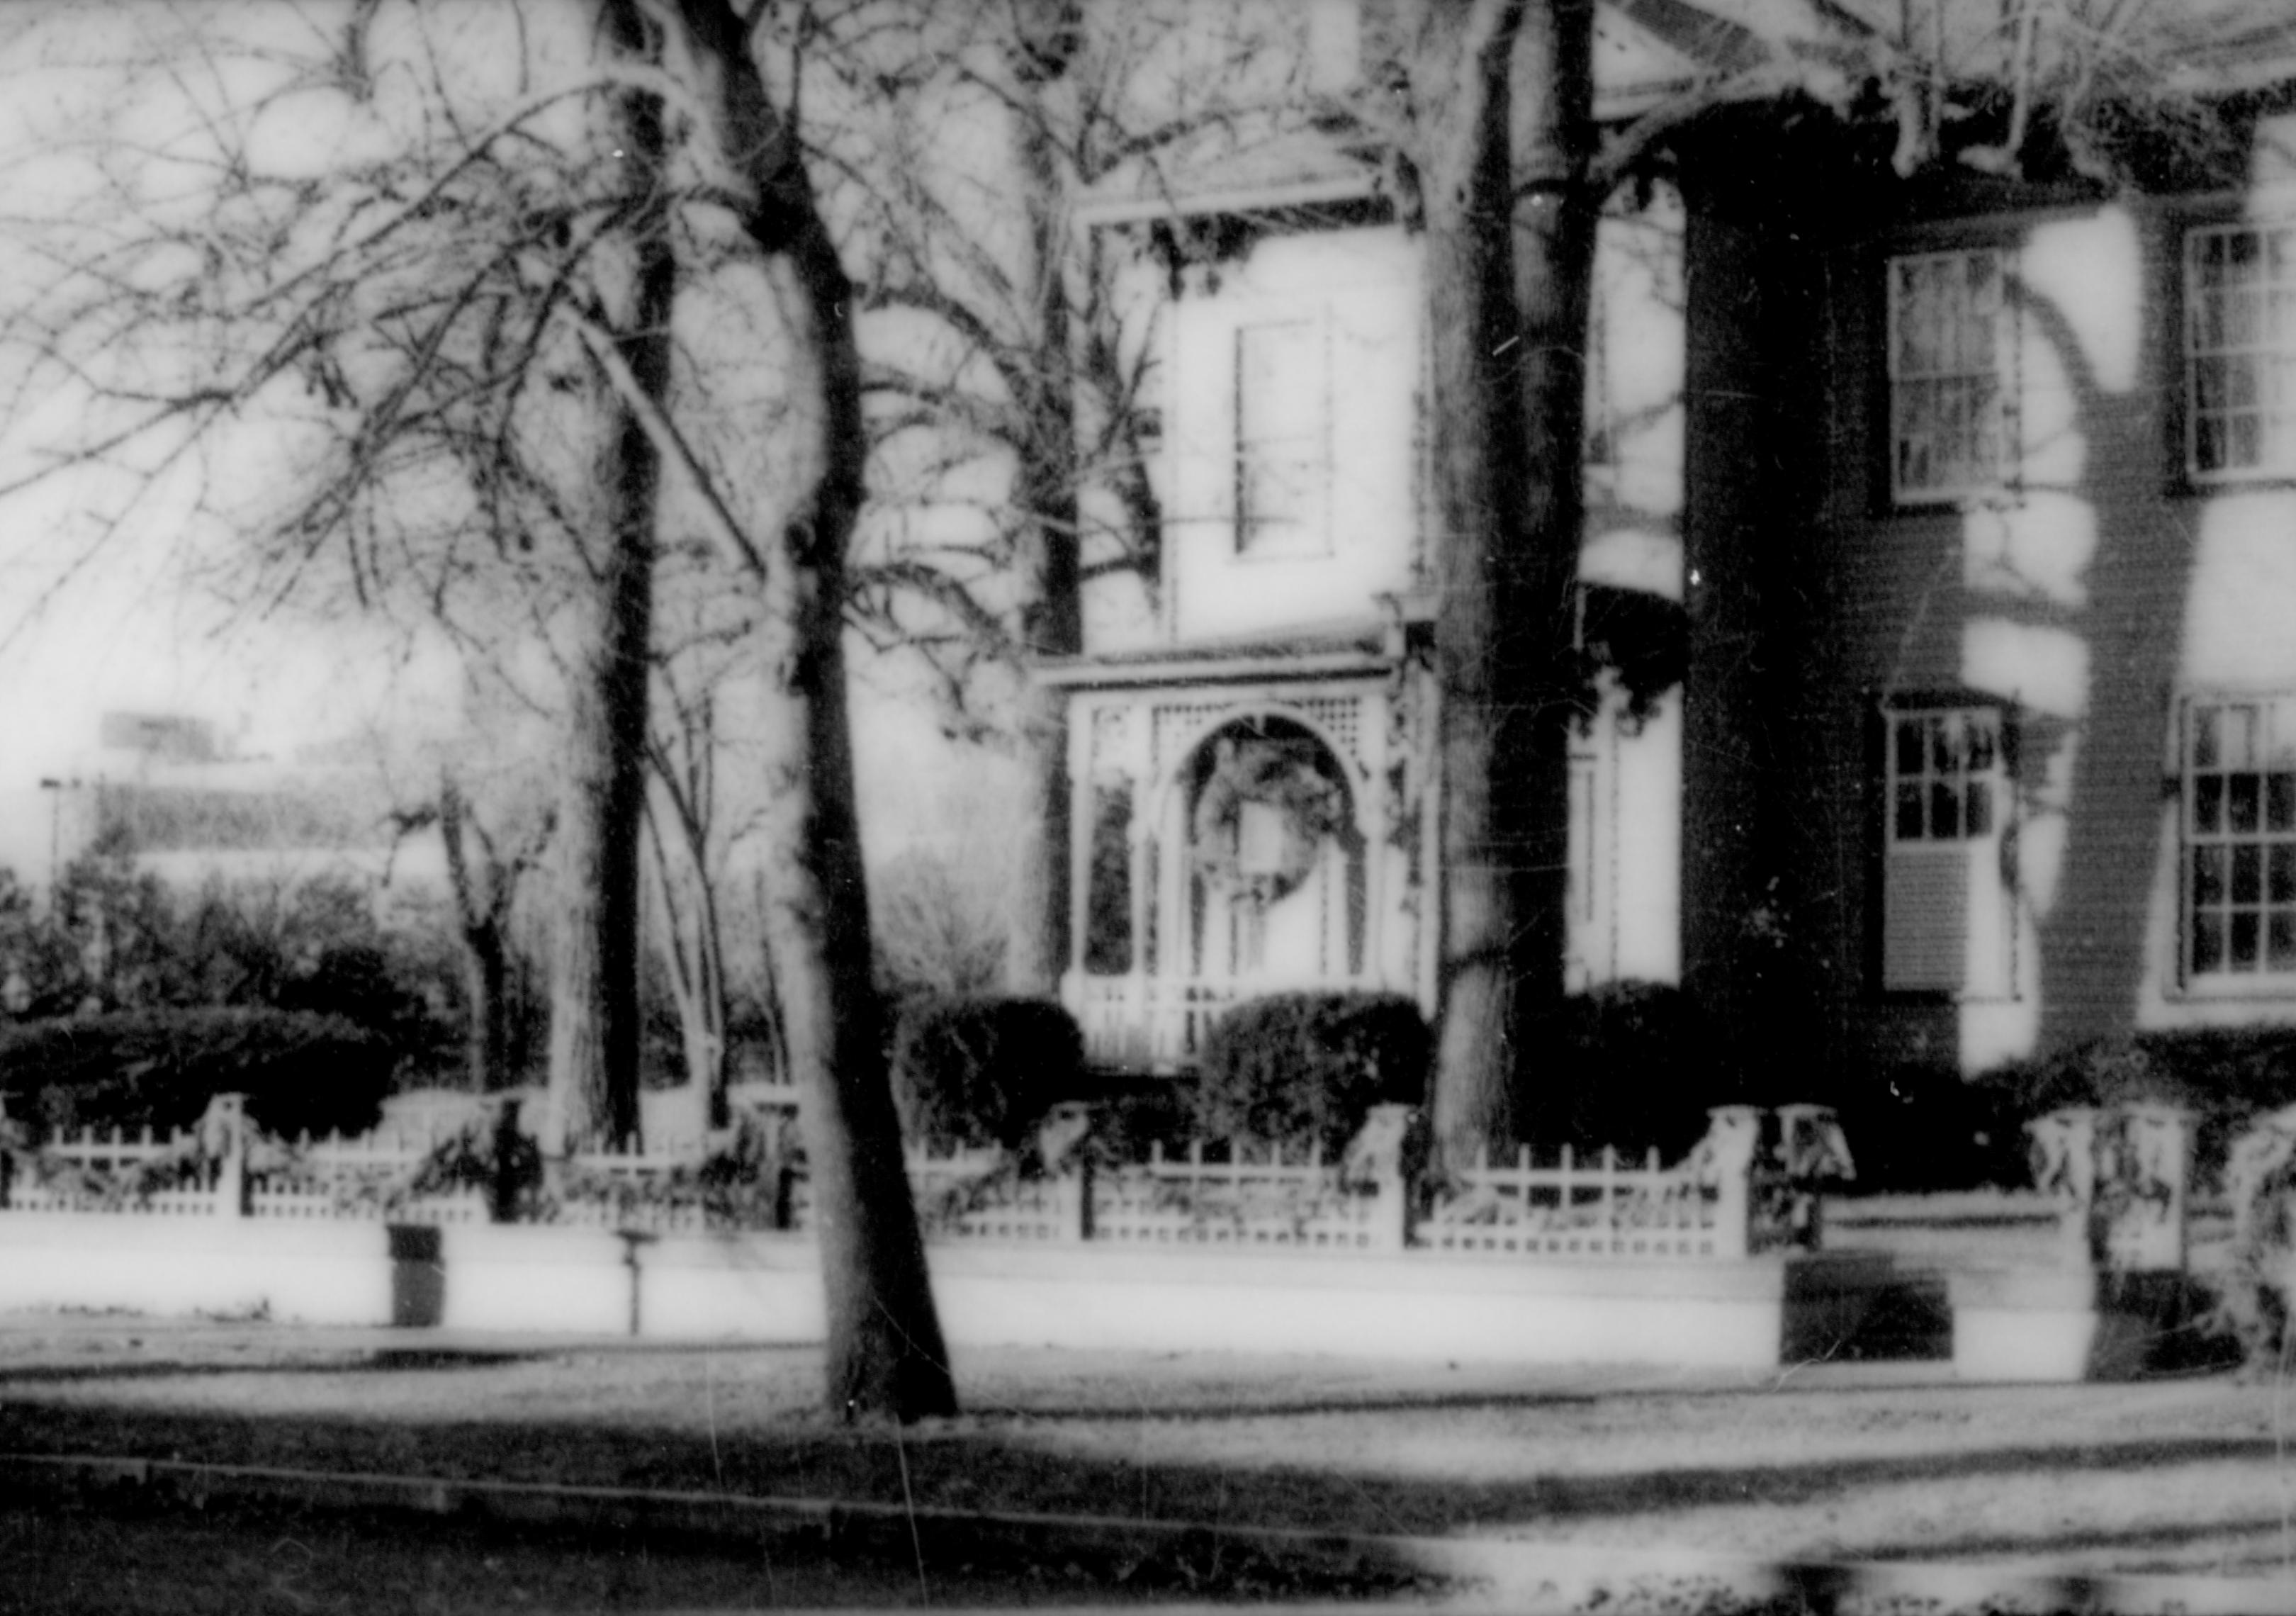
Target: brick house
(1967,503)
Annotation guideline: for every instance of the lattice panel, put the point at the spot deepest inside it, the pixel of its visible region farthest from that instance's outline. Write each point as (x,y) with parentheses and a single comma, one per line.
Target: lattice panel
(1339,717)
(1342,718)
(1177,725)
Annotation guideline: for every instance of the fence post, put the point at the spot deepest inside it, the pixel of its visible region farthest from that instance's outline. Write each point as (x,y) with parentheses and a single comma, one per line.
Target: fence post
(223,1129)
(1391,1209)
(1724,1162)
(1077,1181)
(2142,1173)
(2064,1159)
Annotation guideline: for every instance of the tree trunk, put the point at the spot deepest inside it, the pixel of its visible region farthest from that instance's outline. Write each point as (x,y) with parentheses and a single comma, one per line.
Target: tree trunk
(594,988)
(487,975)
(885,1356)
(695,943)
(1556,214)
(1045,502)
(1459,61)
(483,903)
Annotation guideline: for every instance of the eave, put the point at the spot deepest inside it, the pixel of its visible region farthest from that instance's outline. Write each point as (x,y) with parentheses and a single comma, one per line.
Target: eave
(1371,647)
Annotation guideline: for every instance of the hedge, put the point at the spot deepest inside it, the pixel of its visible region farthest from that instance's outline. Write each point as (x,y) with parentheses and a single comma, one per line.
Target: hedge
(1304,1069)
(159,1068)
(979,1071)
(2223,1075)
(1632,1065)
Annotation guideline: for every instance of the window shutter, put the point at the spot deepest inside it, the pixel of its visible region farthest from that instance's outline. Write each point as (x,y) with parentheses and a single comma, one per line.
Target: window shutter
(1925,919)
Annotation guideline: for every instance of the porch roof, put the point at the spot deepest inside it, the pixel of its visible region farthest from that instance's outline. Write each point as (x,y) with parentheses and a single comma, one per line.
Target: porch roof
(1365,646)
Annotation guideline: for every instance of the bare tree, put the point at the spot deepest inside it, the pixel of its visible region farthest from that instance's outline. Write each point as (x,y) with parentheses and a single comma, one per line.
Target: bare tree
(1011,393)
(885,1356)
(460,330)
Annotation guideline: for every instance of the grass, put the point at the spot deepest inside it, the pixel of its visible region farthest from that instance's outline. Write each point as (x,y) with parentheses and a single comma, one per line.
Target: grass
(1828,1461)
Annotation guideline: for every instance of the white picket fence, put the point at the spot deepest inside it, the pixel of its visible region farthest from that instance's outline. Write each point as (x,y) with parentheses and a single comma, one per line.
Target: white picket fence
(1245,1203)
(1600,1208)
(1730,1198)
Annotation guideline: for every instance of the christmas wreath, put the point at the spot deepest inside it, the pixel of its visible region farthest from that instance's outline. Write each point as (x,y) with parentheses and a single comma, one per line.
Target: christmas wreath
(1269,774)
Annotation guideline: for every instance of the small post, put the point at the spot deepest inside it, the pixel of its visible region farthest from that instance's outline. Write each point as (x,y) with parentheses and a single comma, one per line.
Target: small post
(1724,1163)
(2064,1161)
(222,1132)
(1075,1188)
(2143,1168)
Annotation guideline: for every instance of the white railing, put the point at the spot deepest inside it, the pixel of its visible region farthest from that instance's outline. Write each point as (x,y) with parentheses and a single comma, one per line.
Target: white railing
(167,1176)
(1596,1207)
(1268,1203)
(1737,1193)
(1150,1024)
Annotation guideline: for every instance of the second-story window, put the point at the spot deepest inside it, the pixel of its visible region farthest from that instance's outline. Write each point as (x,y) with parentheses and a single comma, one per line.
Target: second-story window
(1952,401)
(2240,351)
(1283,438)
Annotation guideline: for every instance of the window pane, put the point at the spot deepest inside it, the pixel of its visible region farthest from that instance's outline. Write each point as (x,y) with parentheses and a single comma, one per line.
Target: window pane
(1980,745)
(1909,813)
(2241,816)
(1946,347)
(2208,875)
(2281,954)
(1979,821)
(2207,943)
(2247,874)
(2281,888)
(1909,746)
(2243,442)
(1945,812)
(2280,802)
(2236,733)
(2208,445)
(2242,954)
(2207,804)
(2207,748)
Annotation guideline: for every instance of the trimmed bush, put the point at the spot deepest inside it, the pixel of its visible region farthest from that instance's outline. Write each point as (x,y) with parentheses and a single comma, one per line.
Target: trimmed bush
(1302,1069)
(1914,1129)
(977,1071)
(159,1068)
(1631,1065)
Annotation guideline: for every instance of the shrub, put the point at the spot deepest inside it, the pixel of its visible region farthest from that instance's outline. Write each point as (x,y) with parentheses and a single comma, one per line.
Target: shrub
(975,1071)
(1916,1129)
(1631,1065)
(159,1068)
(1302,1069)
(2223,1075)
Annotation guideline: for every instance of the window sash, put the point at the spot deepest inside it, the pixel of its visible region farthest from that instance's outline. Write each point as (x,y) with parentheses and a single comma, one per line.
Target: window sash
(2238,859)
(1283,437)
(1952,387)
(1945,777)
(2240,351)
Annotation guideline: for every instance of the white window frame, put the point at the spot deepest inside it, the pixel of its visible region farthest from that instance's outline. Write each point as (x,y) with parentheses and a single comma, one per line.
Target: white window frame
(2240,352)
(2236,788)
(1303,449)
(1921,385)
(1949,817)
